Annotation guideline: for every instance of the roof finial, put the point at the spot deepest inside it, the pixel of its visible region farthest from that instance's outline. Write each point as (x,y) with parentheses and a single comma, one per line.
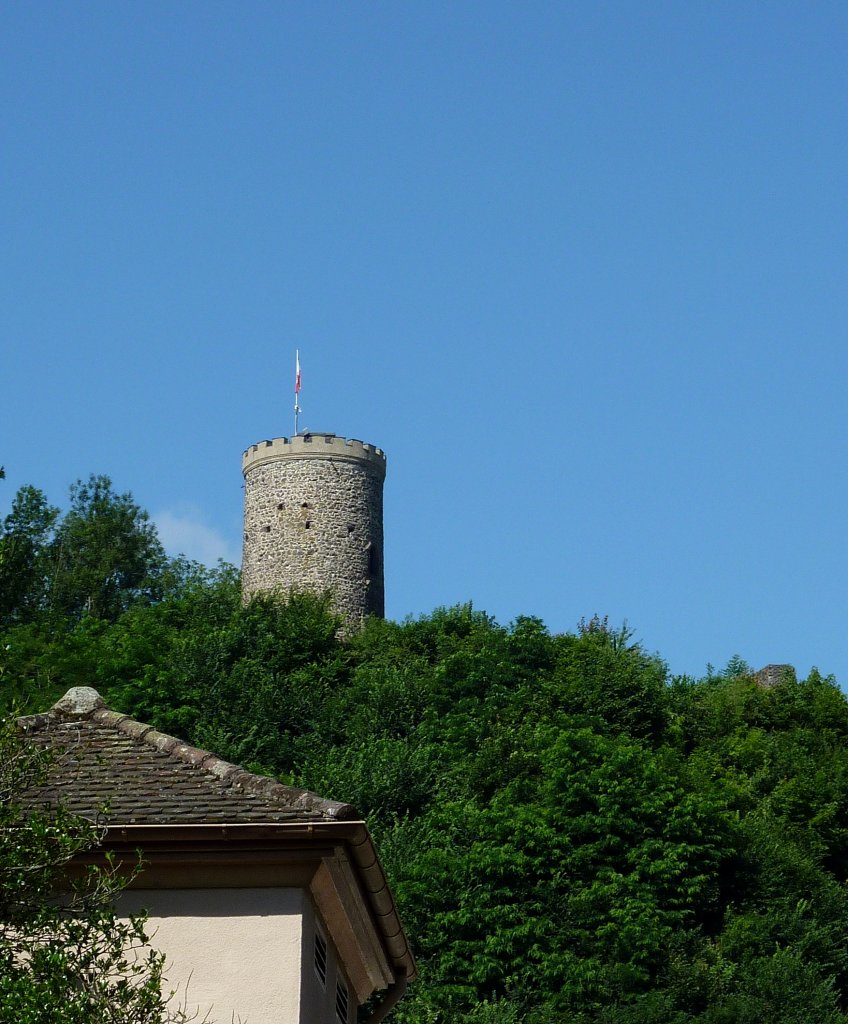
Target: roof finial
(79,702)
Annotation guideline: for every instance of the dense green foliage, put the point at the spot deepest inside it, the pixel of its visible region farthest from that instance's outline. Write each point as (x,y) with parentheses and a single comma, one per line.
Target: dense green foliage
(571,835)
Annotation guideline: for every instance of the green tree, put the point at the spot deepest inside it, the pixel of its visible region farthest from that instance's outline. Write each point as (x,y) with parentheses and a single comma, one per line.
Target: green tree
(564,892)
(105,553)
(601,673)
(25,534)
(244,681)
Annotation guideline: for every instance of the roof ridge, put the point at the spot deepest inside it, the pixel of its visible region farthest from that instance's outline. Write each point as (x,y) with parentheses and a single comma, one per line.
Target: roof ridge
(84,703)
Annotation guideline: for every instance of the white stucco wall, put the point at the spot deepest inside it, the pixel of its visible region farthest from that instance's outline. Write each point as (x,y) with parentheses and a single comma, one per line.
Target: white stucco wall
(234,953)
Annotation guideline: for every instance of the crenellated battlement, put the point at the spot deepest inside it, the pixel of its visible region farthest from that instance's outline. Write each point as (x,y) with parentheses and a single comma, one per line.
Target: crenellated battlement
(315,446)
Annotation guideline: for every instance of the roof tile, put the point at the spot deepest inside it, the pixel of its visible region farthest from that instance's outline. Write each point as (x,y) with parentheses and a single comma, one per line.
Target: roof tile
(113,769)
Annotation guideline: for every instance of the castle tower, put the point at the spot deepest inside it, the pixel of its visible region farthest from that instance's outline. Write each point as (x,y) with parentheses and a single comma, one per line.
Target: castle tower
(313,520)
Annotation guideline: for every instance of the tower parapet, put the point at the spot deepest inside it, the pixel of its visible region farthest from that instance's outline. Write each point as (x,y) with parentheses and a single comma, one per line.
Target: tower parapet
(313,521)
(314,446)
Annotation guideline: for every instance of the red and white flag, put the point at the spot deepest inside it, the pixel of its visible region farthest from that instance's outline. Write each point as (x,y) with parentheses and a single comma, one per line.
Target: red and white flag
(297,372)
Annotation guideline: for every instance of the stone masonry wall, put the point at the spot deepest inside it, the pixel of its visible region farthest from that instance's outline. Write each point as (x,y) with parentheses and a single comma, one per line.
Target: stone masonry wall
(313,521)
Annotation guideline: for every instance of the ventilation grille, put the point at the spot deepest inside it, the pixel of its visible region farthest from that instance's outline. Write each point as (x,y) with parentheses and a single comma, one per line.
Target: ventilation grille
(321,958)
(341,1003)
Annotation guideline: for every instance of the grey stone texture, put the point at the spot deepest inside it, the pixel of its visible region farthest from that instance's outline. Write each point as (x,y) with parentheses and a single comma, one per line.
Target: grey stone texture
(313,521)
(774,675)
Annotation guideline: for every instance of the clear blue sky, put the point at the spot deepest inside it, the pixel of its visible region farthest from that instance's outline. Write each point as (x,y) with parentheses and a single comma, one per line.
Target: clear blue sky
(580,268)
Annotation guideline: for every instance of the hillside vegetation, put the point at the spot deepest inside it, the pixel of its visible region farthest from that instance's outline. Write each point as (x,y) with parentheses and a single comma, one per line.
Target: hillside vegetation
(571,834)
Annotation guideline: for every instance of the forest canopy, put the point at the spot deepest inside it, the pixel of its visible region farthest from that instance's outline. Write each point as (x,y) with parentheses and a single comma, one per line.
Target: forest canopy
(571,833)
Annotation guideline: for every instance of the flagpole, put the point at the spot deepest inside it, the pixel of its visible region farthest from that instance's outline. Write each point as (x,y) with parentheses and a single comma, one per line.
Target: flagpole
(296,388)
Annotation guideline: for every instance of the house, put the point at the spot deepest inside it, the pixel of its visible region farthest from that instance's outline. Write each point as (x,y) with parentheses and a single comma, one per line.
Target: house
(269,902)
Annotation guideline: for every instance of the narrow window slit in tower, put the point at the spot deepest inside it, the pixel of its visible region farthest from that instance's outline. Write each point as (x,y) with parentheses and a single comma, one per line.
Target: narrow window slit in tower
(281,505)
(266,529)
(307,524)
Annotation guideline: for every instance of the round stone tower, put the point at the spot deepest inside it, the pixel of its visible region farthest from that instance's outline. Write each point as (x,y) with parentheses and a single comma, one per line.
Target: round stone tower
(313,520)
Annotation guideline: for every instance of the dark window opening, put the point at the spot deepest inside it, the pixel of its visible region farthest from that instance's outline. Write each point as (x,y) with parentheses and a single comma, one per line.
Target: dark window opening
(280,507)
(307,524)
(305,504)
(341,1002)
(266,529)
(321,957)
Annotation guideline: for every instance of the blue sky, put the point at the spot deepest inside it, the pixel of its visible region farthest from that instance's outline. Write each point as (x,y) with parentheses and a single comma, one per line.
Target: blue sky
(580,268)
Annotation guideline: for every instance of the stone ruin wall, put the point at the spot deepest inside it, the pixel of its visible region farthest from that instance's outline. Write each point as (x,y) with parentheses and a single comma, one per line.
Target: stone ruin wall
(313,521)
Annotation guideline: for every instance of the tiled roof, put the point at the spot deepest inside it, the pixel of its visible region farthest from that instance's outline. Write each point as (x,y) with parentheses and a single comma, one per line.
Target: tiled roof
(121,772)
